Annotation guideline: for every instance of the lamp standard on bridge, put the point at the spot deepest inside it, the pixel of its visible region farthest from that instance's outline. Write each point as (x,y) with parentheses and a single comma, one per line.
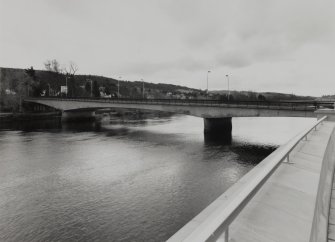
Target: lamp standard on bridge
(142,88)
(228,86)
(66,85)
(207,83)
(118,87)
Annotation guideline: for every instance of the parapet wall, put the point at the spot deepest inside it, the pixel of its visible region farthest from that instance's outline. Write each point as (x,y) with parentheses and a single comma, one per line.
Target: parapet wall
(319,232)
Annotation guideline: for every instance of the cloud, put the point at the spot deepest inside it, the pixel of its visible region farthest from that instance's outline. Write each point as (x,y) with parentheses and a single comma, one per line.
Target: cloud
(169,39)
(151,67)
(233,59)
(255,31)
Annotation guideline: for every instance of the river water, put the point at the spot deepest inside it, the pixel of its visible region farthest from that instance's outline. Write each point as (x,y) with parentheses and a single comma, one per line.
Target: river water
(130,180)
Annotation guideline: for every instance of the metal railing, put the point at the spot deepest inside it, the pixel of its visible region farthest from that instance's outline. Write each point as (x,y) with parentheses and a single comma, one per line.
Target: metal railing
(280,105)
(217,221)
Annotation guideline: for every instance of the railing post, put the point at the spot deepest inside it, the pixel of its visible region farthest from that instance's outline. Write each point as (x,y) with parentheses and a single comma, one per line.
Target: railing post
(226,235)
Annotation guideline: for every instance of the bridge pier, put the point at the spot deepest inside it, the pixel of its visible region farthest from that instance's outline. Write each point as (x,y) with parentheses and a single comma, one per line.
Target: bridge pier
(70,116)
(218,128)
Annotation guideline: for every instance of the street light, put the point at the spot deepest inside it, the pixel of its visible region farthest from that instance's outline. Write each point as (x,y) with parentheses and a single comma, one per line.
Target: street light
(142,88)
(207,82)
(228,86)
(66,85)
(118,86)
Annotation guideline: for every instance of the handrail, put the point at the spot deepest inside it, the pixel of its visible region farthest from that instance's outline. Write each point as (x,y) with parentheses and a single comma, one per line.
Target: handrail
(214,220)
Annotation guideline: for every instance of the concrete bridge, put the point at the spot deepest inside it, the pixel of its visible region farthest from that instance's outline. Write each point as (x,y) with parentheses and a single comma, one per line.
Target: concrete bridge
(216,114)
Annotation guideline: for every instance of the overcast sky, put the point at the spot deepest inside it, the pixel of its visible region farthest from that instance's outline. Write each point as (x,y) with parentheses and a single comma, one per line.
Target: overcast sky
(264,45)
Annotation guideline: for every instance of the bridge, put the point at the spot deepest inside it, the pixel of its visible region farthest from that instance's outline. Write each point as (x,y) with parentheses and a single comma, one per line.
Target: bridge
(289,196)
(216,114)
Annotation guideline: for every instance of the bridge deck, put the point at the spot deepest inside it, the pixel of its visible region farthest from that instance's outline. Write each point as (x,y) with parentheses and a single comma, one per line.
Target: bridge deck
(198,108)
(283,209)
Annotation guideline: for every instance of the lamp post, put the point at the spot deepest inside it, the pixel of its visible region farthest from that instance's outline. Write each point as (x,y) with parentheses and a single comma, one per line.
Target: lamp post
(66,85)
(118,87)
(207,82)
(228,86)
(142,88)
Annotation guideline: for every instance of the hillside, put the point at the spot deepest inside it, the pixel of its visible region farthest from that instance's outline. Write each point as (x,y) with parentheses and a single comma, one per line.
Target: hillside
(269,96)
(11,77)
(16,83)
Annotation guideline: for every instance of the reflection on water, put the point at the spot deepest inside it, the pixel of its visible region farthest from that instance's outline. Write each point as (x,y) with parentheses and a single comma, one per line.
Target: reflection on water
(216,139)
(32,125)
(123,180)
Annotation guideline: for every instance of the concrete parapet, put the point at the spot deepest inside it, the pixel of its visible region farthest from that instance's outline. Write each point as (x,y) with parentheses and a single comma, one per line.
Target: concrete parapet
(197,110)
(319,230)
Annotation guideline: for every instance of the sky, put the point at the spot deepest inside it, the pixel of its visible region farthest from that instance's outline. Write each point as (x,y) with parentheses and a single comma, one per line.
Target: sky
(263,45)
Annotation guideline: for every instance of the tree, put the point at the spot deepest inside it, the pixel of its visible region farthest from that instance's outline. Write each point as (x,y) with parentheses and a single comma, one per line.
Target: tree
(67,72)
(261,97)
(88,87)
(31,82)
(107,90)
(71,69)
(96,92)
(31,73)
(231,97)
(223,97)
(52,65)
(70,72)
(13,84)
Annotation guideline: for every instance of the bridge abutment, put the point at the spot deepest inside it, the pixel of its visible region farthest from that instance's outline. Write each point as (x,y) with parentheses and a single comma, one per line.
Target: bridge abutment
(218,128)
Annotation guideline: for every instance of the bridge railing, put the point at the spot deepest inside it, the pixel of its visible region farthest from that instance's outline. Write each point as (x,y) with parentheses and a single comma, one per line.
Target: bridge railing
(214,221)
(289,105)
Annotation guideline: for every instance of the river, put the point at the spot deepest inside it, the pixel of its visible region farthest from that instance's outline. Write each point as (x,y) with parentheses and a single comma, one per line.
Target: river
(129,180)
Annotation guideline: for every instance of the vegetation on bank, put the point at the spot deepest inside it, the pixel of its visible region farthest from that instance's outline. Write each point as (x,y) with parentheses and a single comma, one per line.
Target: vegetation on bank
(16,84)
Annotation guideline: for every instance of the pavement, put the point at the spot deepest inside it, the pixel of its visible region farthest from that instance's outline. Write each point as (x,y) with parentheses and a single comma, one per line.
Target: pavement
(283,209)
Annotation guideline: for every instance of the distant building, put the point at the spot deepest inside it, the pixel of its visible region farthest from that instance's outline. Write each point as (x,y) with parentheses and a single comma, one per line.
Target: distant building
(63,89)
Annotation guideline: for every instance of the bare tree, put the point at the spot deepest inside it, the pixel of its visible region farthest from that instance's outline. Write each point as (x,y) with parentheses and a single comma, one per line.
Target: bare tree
(71,69)
(52,65)
(47,65)
(70,72)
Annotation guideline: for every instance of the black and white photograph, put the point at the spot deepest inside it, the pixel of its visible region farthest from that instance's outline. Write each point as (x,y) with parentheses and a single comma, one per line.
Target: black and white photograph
(167,120)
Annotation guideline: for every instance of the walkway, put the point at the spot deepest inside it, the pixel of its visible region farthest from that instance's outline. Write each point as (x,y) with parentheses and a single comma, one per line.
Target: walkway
(283,209)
